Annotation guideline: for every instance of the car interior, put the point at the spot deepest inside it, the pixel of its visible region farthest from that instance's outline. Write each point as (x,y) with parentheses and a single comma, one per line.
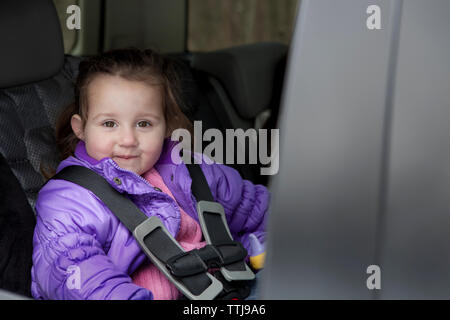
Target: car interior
(359,92)
(228,88)
(360,205)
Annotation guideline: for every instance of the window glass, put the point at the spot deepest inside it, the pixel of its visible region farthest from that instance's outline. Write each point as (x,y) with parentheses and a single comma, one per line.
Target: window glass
(216,24)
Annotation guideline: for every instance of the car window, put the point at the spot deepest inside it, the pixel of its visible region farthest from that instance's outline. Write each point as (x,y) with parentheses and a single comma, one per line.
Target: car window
(216,24)
(210,24)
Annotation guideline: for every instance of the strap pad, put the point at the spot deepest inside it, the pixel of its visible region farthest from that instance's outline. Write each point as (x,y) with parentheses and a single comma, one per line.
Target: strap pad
(162,249)
(216,232)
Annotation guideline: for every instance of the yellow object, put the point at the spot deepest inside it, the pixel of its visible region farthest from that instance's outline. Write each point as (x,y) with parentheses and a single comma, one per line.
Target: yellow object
(257,262)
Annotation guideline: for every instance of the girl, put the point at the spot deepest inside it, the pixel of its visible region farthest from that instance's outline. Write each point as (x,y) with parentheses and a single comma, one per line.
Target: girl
(126,107)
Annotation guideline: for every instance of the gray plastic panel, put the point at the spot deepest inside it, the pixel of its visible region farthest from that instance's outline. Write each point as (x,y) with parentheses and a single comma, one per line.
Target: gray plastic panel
(365,156)
(326,196)
(415,255)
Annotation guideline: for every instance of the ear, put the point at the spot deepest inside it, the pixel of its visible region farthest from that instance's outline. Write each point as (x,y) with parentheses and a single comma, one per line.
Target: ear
(77,126)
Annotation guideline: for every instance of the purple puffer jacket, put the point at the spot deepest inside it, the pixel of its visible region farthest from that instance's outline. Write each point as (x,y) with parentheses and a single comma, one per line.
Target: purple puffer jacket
(76,235)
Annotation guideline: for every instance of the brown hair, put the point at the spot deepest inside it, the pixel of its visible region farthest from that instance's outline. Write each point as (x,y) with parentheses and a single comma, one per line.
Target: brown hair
(131,64)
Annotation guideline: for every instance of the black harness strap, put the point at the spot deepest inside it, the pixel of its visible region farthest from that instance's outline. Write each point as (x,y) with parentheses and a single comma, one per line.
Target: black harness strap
(158,242)
(199,187)
(215,227)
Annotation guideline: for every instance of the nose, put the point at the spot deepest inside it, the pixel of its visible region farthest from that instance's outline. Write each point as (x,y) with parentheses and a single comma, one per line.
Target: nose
(128,138)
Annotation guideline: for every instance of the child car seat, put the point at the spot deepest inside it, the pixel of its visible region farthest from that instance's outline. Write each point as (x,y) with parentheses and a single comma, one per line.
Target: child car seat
(36,82)
(243,85)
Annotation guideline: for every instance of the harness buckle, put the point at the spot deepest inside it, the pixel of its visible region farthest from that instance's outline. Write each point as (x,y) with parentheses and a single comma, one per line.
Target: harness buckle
(213,213)
(150,225)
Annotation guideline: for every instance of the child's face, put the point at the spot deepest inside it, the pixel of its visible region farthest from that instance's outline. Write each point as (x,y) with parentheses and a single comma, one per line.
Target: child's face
(125,122)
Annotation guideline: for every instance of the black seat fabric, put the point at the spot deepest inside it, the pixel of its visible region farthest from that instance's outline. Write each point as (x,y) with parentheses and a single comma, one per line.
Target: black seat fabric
(243,86)
(201,101)
(17,222)
(36,82)
(193,101)
(250,75)
(31,42)
(27,117)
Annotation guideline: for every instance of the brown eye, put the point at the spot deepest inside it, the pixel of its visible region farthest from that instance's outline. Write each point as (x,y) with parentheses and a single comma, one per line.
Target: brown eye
(144,124)
(109,124)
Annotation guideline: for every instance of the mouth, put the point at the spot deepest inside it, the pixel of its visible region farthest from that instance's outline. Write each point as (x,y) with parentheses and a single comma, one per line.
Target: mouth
(126,157)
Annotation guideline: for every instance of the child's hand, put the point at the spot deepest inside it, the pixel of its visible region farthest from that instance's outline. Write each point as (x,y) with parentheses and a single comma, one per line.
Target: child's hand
(257,253)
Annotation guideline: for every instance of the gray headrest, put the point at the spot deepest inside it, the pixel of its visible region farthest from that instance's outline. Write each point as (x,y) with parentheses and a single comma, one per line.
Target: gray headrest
(31,42)
(249,73)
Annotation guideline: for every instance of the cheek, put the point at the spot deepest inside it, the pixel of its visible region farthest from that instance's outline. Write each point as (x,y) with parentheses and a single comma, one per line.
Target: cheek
(98,147)
(154,147)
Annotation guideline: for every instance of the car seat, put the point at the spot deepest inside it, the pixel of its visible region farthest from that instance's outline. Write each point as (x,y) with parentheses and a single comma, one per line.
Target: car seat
(36,82)
(243,85)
